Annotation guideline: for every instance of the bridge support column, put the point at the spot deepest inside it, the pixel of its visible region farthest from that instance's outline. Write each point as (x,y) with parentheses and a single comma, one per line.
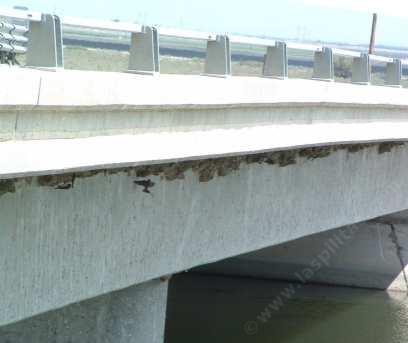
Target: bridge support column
(218,61)
(276,61)
(361,70)
(45,49)
(144,52)
(133,315)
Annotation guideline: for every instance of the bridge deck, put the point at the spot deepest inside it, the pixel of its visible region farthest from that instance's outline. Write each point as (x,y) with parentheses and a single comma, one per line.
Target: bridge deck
(65,121)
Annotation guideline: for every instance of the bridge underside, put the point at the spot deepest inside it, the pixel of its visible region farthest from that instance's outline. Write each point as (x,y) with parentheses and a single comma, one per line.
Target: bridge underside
(371,254)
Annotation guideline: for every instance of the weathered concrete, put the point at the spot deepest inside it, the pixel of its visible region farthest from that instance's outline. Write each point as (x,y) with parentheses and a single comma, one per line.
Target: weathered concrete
(116,216)
(48,157)
(372,254)
(71,239)
(109,116)
(71,104)
(133,315)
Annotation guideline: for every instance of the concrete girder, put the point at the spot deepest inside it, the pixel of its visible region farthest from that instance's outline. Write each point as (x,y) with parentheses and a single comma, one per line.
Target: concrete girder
(68,239)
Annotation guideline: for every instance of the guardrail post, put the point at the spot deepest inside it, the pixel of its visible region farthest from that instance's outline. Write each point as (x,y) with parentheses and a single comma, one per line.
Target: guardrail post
(393,73)
(218,60)
(361,70)
(144,51)
(276,61)
(323,66)
(45,48)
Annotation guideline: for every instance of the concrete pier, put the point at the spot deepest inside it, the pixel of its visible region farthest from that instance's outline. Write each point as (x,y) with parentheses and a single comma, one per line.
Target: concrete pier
(134,315)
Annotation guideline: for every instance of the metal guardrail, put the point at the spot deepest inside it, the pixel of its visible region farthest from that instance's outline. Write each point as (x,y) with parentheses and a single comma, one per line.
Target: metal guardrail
(12,42)
(45,50)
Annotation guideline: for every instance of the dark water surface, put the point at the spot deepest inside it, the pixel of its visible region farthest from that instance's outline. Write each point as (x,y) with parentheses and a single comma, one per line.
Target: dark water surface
(216,309)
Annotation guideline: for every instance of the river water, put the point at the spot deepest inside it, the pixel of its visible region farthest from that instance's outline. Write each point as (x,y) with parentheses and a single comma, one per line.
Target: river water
(216,309)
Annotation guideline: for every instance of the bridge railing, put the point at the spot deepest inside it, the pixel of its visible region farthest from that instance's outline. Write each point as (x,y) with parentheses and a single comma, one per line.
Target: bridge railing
(45,49)
(12,38)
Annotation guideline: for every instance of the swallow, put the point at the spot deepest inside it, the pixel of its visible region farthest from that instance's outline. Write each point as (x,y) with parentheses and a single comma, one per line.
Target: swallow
(146,184)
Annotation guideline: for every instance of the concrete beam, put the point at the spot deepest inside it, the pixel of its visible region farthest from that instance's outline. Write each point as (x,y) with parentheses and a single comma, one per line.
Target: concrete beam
(71,238)
(136,314)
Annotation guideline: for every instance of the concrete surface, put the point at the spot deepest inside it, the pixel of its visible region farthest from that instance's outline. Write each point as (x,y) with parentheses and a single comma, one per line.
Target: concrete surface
(32,88)
(59,156)
(109,116)
(133,315)
(372,254)
(68,239)
(77,236)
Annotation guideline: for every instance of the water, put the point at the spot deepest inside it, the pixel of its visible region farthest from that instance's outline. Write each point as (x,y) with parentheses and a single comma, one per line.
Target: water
(213,309)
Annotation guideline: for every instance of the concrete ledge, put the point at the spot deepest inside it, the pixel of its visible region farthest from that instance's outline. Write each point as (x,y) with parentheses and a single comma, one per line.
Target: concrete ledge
(43,157)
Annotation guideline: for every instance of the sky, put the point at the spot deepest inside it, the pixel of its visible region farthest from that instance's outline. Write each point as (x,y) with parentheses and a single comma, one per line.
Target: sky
(326,20)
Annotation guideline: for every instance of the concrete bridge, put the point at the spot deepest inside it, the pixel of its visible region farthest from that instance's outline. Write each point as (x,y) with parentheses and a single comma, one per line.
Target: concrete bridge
(110,183)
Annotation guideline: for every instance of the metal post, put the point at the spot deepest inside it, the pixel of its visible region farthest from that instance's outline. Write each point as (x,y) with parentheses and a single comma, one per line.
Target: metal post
(373,32)
(144,52)
(276,61)
(361,70)
(323,67)
(393,73)
(45,48)
(218,61)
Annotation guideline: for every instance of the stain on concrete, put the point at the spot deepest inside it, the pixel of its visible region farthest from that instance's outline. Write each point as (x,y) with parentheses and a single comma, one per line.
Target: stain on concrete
(7,186)
(87,174)
(388,146)
(357,147)
(316,152)
(207,169)
(61,182)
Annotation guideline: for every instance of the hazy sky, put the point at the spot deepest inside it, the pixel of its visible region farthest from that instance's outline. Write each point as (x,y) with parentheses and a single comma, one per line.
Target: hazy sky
(327,20)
